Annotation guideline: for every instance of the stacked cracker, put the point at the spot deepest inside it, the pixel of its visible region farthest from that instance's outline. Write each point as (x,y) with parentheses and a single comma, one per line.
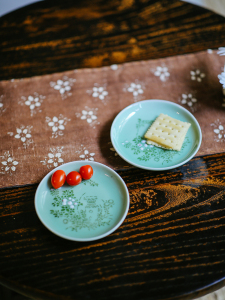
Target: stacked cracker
(167,133)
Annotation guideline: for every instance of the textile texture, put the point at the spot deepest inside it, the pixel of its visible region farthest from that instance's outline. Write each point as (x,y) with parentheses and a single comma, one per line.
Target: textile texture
(53,119)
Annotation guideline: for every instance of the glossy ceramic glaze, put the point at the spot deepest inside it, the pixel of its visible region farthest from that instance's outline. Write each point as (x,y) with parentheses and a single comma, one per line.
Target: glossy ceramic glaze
(130,125)
(89,211)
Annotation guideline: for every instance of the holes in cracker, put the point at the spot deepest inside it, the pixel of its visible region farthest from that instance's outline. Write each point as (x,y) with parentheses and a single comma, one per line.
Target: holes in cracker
(166,126)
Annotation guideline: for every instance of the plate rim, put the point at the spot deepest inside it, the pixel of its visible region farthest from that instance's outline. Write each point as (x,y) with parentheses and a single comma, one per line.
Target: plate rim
(118,224)
(153,168)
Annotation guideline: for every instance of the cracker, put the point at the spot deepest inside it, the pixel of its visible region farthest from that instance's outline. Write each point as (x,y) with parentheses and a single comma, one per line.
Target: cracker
(167,132)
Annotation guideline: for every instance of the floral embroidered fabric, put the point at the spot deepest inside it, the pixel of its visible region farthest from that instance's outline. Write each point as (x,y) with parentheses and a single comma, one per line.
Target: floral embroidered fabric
(53,119)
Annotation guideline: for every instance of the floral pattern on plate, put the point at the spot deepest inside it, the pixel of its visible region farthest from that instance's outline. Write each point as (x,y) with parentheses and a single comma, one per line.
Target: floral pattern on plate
(91,210)
(145,152)
(83,212)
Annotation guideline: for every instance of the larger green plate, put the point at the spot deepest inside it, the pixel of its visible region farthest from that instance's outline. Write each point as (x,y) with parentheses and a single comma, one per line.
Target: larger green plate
(130,125)
(86,212)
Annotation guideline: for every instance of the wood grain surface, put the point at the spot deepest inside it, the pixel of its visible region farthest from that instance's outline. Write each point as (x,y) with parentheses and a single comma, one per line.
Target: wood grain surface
(54,36)
(173,235)
(171,245)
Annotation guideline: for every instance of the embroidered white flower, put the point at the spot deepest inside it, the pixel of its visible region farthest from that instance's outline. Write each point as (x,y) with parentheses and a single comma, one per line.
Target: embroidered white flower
(221,51)
(8,165)
(219,131)
(197,75)
(2,107)
(99,92)
(222,77)
(33,102)
(87,155)
(209,51)
(188,99)
(136,89)
(53,158)
(24,134)
(57,124)
(162,73)
(84,154)
(63,86)
(89,116)
(114,67)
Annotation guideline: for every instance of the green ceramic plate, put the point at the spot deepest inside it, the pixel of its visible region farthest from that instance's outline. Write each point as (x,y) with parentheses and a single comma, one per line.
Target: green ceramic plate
(130,125)
(86,212)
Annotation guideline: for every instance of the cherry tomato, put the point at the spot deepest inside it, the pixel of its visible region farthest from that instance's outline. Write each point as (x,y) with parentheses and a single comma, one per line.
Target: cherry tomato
(86,172)
(58,179)
(73,178)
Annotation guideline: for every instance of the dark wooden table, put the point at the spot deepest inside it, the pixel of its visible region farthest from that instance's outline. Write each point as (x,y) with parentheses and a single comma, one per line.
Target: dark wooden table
(179,253)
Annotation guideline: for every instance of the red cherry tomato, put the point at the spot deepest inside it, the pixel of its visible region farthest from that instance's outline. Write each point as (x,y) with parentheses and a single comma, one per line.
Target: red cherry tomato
(73,178)
(86,172)
(58,179)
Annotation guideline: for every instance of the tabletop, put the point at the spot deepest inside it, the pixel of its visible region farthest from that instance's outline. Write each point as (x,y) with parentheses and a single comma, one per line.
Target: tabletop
(171,244)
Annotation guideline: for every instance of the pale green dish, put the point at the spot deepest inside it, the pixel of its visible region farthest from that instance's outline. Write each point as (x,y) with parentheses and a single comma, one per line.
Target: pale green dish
(86,212)
(130,125)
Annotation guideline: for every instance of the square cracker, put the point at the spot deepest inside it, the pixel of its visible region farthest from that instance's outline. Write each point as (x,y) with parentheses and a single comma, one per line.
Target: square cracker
(167,132)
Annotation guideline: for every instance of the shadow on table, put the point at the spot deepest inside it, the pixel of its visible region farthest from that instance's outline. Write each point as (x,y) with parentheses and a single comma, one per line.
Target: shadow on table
(7,294)
(107,150)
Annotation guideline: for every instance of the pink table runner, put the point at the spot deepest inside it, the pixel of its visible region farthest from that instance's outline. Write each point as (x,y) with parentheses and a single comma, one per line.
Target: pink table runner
(53,119)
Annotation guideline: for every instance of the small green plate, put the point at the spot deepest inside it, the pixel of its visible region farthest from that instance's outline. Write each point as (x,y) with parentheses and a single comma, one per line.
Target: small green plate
(130,125)
(86,212)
